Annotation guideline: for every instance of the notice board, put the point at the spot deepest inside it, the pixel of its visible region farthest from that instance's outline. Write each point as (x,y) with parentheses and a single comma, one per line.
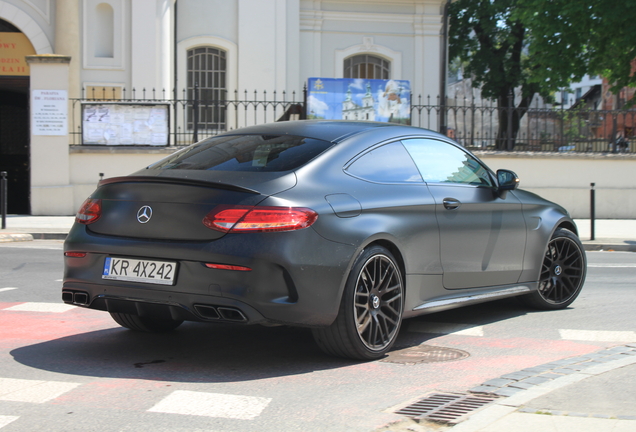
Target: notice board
(125,124)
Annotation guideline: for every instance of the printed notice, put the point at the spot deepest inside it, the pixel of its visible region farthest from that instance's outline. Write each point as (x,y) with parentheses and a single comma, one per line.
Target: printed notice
(49,112)
(125,124)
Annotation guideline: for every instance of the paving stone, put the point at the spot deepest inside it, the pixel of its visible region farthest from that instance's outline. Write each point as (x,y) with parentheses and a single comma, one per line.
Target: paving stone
(498,382)
(562,371)
(619,349)
(535,380)
(551,375)
(516,376)
(601,416)
(537,369)
(522,385)
(508,391)
(626,417)
(484,389)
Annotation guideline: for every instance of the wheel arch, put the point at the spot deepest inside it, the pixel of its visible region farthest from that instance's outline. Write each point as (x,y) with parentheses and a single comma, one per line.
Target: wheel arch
(567,224)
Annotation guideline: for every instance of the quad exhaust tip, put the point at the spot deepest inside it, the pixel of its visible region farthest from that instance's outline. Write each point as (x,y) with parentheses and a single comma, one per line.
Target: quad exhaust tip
(220,313)
(75,297)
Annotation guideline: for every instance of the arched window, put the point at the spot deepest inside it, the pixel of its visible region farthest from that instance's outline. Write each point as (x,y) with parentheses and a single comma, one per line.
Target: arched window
(207,72)
(105,31)
(366,66)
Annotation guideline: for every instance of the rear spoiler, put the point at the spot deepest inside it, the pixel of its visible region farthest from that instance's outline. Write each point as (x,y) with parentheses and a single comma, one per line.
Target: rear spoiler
(174,180)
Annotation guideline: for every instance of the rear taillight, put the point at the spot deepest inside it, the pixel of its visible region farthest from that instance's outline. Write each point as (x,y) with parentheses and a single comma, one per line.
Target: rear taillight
(89,212)
(238,219)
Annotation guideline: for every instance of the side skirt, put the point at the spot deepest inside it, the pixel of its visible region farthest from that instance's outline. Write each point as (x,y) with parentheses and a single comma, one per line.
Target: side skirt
(440,304)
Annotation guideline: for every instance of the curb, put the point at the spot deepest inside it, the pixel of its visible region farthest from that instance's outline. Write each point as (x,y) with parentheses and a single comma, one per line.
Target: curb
(6,238)
(624,247)
(556,375)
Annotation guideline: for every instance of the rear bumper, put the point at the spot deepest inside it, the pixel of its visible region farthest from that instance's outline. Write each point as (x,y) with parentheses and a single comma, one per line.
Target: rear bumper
(296,278)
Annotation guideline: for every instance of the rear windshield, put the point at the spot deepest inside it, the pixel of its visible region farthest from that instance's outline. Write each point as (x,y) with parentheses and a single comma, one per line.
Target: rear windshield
(246,153)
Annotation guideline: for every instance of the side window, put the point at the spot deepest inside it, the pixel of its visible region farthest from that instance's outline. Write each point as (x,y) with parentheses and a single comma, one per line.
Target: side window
(389,163)
(440,162)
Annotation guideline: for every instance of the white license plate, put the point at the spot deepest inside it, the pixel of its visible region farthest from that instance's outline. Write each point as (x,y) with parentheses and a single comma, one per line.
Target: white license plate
(135,270)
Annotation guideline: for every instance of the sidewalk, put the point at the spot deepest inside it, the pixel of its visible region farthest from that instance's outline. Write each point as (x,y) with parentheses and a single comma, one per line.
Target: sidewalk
(590,393)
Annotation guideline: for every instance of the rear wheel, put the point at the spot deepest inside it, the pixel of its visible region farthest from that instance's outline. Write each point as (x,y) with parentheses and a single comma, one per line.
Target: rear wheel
(562,273)
(145,324)
(370,312)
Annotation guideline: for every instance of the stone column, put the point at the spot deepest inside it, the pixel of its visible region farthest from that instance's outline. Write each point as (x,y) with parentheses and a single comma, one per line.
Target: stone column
(67,41)
(51,192)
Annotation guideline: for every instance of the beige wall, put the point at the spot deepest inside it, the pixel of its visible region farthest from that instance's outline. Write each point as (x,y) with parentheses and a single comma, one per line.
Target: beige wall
(563,178)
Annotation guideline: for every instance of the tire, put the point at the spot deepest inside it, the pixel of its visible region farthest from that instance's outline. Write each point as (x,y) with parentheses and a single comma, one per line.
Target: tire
(145,324)
(562,273)
(371,308)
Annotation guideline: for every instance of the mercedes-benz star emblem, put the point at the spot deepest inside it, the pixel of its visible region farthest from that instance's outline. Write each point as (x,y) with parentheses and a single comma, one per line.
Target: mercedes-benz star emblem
(144,214)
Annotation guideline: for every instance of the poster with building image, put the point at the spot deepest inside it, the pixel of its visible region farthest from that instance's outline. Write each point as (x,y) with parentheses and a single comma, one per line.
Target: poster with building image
(359,99)
(125,124)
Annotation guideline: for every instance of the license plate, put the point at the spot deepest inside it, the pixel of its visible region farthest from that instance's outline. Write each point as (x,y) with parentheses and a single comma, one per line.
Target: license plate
(135,270)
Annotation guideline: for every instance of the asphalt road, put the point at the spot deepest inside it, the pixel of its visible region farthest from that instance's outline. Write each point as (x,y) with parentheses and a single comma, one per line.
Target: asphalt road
(70,369)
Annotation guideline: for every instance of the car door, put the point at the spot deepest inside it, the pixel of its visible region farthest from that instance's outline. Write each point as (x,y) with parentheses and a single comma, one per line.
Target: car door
(482,233)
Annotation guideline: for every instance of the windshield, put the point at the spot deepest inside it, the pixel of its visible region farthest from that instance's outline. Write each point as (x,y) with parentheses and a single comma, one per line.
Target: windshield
(246,153)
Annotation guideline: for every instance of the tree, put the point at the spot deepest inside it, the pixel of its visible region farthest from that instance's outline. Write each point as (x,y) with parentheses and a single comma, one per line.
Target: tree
(540,46)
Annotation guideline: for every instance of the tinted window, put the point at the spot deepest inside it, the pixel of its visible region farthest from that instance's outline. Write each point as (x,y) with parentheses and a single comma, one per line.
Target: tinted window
(386,164)
(440,162)
(246,153)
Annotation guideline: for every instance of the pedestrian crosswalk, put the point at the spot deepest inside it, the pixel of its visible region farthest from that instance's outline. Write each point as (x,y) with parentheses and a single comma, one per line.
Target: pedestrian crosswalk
(226,405)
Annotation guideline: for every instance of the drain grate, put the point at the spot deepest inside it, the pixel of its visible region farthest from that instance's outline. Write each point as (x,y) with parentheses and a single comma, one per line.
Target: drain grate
(446,408)
(424,354)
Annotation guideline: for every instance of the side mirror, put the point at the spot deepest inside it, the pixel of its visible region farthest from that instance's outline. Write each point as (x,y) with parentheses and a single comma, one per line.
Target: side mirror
(507,180)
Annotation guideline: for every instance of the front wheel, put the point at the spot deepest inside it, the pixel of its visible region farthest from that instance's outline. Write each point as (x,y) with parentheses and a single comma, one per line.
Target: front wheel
(145,324)
(371,309)
(562,273)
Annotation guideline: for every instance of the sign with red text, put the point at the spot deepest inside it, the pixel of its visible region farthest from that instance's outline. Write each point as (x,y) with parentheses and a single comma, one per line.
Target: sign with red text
(49,112)
(14,47)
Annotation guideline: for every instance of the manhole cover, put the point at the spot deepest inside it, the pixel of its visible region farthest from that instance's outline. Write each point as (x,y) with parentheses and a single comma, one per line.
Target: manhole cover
(424,354)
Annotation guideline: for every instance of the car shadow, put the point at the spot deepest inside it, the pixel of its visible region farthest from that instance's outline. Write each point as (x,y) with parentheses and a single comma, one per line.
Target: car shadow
(198,352)
(195,352)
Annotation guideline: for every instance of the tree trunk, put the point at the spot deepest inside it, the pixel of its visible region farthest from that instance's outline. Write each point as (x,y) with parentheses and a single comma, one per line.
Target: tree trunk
(509,117)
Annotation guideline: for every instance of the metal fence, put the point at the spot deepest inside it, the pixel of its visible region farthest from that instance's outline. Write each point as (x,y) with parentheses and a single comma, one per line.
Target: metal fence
(192,116)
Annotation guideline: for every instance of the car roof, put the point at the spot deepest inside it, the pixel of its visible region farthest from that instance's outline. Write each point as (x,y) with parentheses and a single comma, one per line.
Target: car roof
(327,130)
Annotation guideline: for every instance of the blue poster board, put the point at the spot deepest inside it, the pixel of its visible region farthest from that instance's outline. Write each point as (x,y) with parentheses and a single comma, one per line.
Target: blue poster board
(359,99)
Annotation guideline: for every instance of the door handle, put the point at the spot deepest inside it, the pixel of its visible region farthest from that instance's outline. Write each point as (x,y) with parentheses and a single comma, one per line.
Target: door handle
(451,203)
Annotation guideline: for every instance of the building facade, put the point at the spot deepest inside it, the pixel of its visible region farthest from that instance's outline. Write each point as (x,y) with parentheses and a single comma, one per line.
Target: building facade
(109,49)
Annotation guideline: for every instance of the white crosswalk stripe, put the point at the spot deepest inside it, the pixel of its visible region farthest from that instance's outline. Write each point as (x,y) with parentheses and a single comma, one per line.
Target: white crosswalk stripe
(446,328)
(5,420)
(41,307)
(212,405)
(34,391)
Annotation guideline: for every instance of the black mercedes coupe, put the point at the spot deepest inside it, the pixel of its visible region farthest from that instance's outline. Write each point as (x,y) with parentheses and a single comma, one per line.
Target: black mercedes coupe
(344,227)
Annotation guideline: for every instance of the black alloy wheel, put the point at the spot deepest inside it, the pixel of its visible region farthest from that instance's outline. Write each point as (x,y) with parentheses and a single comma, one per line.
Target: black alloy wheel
(562,272)
(371,311)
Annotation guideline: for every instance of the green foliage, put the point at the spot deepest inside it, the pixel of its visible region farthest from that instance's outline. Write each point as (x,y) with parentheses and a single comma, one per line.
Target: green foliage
(543,45)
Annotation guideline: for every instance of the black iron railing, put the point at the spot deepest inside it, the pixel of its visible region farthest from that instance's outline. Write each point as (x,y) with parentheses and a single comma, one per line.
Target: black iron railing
(194,115)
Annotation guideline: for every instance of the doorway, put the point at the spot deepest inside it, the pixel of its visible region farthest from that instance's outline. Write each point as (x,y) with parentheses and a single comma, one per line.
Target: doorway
(14,142)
